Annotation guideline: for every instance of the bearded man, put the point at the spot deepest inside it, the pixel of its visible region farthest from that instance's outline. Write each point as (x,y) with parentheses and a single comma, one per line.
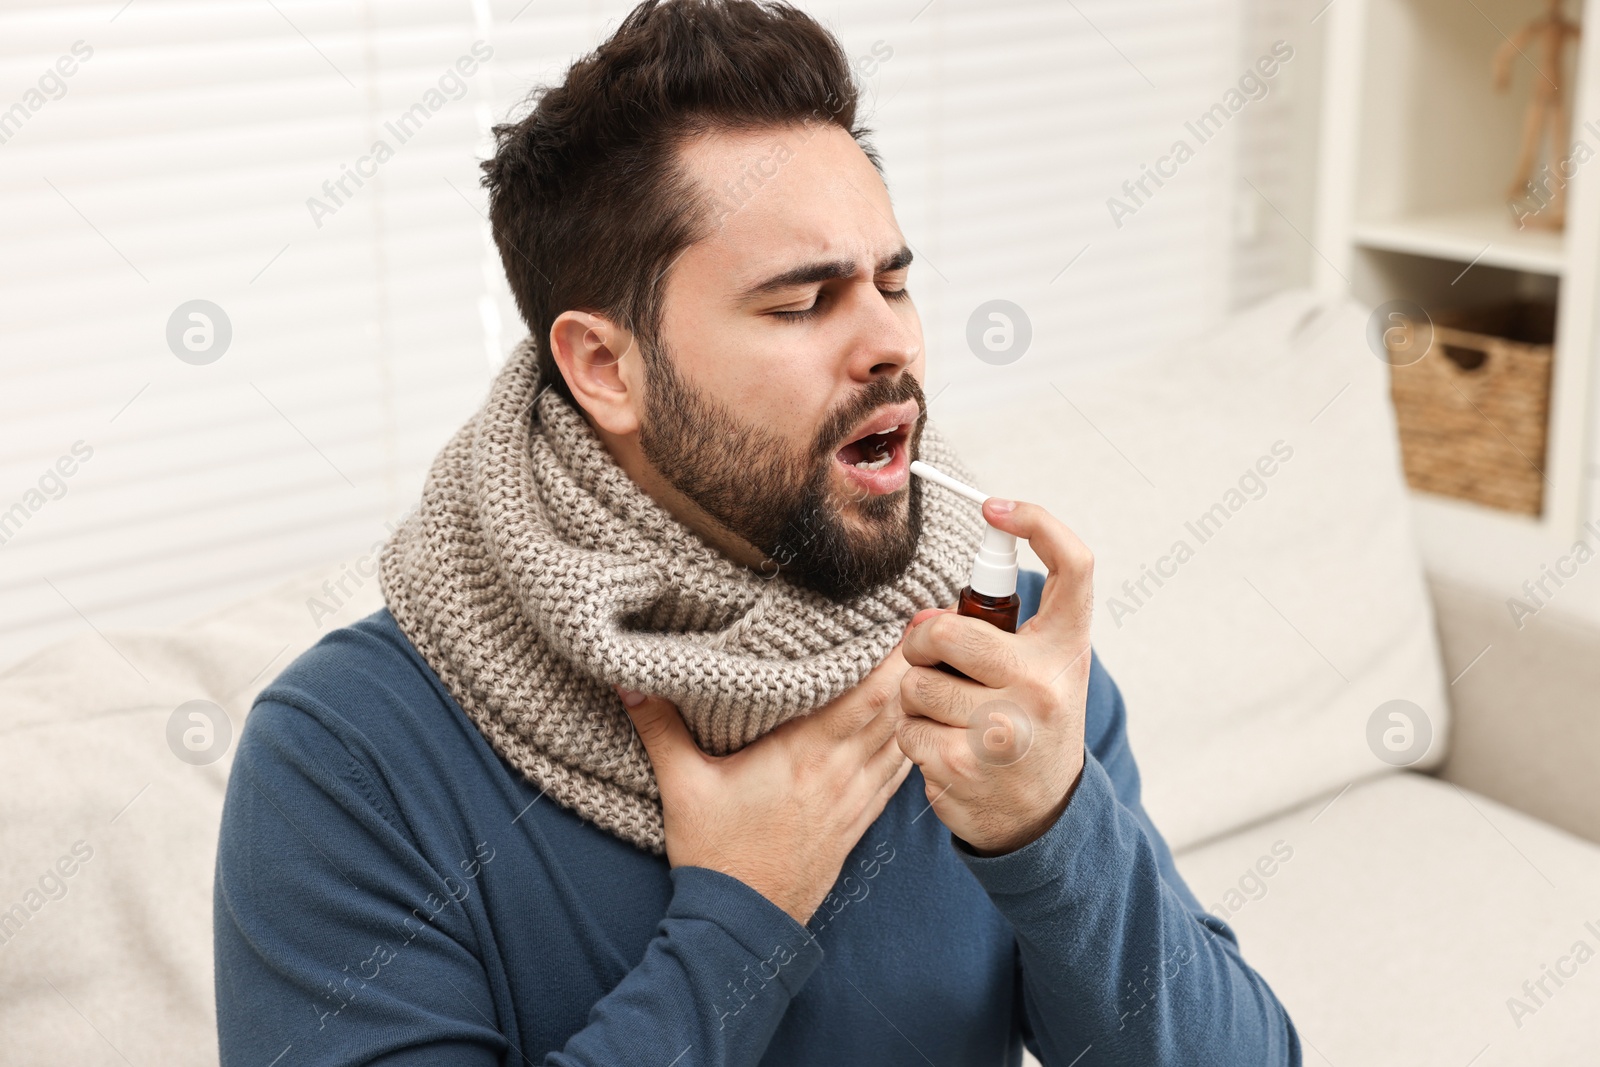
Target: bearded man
(648,758)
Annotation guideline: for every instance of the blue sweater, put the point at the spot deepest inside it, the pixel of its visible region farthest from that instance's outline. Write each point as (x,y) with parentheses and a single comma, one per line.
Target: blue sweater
(390,891)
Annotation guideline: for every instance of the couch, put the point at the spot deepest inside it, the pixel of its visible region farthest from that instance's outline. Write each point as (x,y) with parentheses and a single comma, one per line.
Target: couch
(1416,889)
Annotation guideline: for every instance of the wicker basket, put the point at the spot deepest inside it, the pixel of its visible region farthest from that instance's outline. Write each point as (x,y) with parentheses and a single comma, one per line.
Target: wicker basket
(1472,412)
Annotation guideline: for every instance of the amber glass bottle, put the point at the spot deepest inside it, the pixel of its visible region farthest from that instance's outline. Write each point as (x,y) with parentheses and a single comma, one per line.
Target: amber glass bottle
(991,594)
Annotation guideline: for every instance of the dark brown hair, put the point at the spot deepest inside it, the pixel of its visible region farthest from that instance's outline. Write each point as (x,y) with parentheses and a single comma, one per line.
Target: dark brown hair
(587,201)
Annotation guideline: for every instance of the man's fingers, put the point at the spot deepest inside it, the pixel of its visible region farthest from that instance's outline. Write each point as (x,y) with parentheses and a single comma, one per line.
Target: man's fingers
(925,613)
(886,715)
(880,800)
(861,708)
(923,741)
(886,762)
(934,694)
(1067,601)
(666,739)
(972,646)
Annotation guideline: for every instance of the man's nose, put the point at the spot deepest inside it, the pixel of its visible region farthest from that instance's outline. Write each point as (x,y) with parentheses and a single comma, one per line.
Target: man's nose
(883,342)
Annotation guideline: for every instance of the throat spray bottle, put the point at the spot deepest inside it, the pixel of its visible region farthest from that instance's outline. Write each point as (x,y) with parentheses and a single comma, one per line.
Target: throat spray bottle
(991,593)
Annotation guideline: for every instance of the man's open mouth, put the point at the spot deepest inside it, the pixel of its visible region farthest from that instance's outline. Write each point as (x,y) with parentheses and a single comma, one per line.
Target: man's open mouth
(874,451)
(876,459)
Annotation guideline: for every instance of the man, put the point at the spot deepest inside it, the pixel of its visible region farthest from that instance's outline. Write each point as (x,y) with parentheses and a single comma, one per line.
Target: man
(793,839)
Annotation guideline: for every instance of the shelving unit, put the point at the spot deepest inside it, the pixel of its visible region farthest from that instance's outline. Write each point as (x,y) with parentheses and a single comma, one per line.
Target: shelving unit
(1417,149)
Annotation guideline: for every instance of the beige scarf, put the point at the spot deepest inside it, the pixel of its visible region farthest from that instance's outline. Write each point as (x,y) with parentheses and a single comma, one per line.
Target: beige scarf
(536,574)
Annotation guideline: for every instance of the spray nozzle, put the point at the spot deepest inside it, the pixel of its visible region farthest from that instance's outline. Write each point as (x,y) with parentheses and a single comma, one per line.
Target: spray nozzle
(994,569)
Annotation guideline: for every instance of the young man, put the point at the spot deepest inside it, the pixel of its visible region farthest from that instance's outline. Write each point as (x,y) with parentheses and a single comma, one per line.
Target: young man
(648,759)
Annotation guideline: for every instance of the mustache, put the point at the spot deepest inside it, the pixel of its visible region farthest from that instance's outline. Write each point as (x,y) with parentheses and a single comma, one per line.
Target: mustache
(880,392)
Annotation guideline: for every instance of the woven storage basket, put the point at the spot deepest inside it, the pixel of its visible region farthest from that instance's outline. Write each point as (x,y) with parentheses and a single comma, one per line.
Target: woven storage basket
(1472,412)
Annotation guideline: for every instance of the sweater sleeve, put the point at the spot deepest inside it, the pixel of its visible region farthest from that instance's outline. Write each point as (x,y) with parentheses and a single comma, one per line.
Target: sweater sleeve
(1120,964)
(336,938)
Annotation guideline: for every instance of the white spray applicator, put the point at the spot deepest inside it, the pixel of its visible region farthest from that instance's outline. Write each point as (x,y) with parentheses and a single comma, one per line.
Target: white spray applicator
(991,593)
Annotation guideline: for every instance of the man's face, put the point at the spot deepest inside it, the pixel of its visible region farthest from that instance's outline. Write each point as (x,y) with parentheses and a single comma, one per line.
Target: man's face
(786,335)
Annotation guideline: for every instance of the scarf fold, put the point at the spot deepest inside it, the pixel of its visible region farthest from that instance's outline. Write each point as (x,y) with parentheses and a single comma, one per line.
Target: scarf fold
(536,574)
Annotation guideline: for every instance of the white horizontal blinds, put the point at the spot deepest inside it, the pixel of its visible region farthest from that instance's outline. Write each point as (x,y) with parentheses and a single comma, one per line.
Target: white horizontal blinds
(1277,152)
(177,165)
(1005,128)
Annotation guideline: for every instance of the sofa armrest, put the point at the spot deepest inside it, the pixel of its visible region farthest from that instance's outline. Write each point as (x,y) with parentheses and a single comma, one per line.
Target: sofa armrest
(1525,727)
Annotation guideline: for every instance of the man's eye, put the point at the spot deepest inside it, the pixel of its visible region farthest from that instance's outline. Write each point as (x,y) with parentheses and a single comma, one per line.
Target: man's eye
(816,304)
(803,313)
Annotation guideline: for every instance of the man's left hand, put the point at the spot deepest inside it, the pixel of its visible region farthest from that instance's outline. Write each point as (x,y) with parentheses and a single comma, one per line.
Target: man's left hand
(1001,753)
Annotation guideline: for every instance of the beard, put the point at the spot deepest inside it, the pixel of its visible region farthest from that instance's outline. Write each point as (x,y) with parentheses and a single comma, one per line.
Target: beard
(779,499)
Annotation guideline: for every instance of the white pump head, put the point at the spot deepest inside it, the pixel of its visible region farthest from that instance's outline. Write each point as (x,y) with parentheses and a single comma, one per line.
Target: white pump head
(994,570)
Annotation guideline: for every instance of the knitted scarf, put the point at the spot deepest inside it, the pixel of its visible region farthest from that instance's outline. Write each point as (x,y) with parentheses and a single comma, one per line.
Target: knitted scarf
(536,574)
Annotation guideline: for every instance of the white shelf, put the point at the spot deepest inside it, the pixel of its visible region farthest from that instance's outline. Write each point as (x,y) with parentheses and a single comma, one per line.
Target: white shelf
(1486,236)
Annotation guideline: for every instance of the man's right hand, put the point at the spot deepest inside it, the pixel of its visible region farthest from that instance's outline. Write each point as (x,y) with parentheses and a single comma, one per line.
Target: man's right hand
(782,813)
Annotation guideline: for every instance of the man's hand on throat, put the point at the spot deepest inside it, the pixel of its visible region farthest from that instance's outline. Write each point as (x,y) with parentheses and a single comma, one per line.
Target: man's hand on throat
(782,813)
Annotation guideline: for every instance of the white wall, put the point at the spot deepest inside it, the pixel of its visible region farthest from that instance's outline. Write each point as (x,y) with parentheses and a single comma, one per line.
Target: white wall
(176,161)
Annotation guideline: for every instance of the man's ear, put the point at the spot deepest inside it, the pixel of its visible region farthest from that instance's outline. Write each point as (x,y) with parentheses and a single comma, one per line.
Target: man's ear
(602,366)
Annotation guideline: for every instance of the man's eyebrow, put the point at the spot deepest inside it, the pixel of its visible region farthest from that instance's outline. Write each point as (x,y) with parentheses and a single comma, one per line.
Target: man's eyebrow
(825,271)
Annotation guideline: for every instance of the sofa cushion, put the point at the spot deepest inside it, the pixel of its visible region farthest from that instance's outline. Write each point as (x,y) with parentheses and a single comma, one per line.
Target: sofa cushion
(1399,922)
(109,837)
(1257,467)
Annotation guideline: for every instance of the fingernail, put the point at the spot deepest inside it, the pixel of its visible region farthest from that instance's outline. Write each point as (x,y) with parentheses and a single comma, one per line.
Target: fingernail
(629,697)
(1004,507)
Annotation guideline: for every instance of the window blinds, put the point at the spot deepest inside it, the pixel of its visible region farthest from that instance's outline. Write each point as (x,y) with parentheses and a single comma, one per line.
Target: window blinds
(184,160)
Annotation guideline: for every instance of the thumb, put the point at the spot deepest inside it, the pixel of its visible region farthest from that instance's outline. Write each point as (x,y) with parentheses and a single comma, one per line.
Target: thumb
(660,727)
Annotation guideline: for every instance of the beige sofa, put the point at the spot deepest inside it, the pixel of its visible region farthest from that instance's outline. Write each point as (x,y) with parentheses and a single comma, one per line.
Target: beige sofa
(1398,914)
